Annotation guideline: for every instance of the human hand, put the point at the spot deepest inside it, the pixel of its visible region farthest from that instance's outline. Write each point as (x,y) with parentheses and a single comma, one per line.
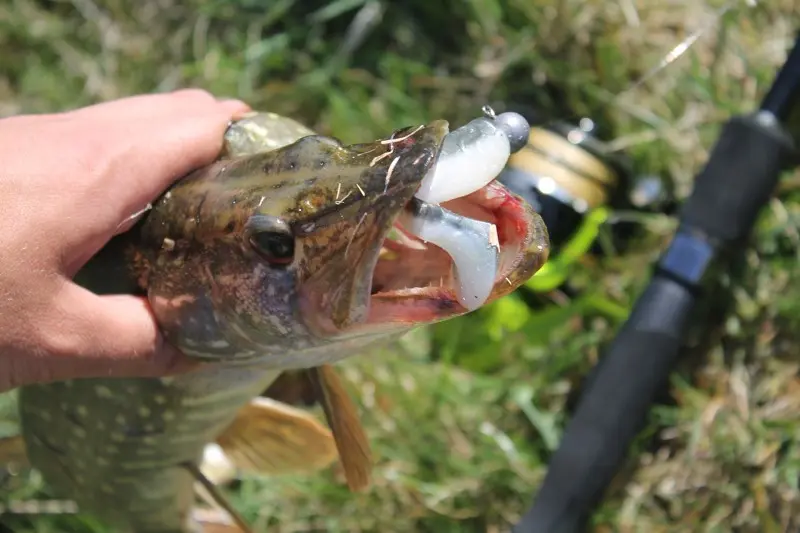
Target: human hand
(68,182)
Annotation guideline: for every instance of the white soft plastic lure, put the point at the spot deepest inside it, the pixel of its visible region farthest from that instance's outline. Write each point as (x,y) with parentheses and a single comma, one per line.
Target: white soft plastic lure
(471,157)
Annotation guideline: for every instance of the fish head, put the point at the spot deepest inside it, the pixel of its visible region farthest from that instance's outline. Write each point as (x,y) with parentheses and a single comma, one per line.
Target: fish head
(296,256)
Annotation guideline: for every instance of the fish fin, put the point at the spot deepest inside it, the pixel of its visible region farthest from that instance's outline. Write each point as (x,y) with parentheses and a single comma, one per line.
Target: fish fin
(293,388)
(272,438)
(13,451)
(351,441)
(217,496)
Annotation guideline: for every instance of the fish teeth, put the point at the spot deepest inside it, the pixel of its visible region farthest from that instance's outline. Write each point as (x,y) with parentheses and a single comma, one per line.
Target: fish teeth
(471,157)
(472,244)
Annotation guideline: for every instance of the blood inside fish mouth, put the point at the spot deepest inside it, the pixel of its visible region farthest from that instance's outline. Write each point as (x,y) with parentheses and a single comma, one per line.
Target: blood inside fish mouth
(462,234)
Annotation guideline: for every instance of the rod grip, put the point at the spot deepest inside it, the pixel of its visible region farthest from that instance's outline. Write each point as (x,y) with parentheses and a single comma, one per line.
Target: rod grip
(612,409)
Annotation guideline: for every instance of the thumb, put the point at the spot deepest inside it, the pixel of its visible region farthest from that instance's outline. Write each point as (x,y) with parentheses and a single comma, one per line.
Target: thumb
(111,336)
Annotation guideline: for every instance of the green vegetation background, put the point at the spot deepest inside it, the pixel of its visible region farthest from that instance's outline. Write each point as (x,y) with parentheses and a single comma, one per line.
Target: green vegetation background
(463,416)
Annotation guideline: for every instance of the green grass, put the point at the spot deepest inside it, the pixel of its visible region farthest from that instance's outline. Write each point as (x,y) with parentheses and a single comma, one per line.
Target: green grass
(463,416)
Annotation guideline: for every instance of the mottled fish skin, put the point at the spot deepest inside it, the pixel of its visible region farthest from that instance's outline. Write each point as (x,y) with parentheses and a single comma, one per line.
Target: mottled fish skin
(260,132)
(117,445)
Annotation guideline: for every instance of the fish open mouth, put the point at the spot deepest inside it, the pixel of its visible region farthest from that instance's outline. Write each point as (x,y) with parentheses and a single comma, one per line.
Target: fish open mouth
(463,240)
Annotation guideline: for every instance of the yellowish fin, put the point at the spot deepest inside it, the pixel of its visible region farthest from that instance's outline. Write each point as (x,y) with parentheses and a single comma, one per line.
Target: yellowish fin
(351,441)
(267,437)
(272,438)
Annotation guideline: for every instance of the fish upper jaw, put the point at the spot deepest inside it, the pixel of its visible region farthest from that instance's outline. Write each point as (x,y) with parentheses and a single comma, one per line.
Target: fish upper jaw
(343,243)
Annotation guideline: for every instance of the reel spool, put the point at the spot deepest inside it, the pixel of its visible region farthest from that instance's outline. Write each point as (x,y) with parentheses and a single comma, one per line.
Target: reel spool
(572,179)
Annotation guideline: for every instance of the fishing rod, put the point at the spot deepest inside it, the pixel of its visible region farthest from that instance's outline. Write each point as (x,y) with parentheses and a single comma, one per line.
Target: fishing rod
(742,171)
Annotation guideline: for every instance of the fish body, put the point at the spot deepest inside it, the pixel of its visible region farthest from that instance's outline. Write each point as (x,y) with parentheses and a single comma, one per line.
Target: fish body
(270,259)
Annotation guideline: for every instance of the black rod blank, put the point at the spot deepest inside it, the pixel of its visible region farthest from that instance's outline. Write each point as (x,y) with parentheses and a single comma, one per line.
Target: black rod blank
(740,176)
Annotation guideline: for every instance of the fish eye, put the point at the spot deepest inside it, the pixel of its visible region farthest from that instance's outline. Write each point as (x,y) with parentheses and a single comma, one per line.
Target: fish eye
(272,239)
(275,247)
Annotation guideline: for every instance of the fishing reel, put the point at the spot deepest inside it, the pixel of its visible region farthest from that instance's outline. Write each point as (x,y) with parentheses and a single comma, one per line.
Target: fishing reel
(575,182)
(579,186)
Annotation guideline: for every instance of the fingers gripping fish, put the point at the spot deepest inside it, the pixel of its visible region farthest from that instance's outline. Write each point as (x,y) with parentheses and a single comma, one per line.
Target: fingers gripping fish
(289,253)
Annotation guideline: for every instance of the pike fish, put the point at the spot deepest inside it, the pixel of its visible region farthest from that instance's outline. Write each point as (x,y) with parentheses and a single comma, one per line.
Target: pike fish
(292,251)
